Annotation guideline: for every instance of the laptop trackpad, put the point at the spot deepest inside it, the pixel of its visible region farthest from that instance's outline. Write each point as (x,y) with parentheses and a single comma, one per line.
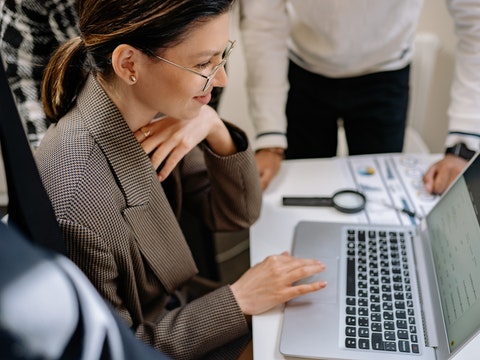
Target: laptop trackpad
(330,275)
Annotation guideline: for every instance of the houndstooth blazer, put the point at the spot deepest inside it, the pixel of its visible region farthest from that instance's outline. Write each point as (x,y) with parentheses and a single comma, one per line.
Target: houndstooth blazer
(120,223)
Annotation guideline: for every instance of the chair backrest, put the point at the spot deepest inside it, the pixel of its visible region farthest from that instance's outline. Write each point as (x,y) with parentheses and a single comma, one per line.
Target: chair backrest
(3,186)
(29,207)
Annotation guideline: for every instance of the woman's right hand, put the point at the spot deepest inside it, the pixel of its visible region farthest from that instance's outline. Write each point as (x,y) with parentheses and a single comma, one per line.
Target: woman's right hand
(168,139)
(271,282)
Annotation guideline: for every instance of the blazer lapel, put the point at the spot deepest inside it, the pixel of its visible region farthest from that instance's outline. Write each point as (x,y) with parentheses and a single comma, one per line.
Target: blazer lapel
(148,212)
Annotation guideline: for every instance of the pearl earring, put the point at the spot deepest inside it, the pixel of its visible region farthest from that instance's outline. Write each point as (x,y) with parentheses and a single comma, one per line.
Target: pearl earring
(133,79)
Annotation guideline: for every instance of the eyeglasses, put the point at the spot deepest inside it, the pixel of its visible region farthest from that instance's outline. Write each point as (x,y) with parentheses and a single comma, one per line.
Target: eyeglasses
(209,78)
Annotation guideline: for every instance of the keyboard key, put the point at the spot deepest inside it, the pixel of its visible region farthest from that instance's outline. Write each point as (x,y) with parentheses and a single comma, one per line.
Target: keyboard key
(363,321)
(350,343)
(364,332)
(389,335)
(362,311)
(399,305)
(387,306)
(390,346)
(351,310)
(363,344)
(377,341)
(351,277)
(404,346)
(351,331)
(389,325)
(402,324)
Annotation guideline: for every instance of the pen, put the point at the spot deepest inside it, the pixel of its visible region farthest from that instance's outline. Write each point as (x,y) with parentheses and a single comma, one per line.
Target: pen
(404,210)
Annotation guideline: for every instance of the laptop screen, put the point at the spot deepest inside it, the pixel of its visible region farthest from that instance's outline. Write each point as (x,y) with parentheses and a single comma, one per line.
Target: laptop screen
(454,230)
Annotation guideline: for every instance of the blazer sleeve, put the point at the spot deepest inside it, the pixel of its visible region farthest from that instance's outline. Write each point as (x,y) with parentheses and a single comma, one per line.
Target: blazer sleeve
(193,330)
(224,191)
(203,326)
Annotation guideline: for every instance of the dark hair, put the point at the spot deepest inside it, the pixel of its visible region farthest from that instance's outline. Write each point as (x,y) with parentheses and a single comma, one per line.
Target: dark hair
(147,25)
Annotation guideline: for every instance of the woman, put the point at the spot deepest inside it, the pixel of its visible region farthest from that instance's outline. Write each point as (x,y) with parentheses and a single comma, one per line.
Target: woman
(133,61)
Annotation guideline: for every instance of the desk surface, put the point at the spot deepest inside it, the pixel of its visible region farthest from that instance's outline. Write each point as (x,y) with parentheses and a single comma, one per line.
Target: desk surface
(394,176)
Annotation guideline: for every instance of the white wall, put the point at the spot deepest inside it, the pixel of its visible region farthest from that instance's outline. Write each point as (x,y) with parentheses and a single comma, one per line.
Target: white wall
(435,18)
(234,104)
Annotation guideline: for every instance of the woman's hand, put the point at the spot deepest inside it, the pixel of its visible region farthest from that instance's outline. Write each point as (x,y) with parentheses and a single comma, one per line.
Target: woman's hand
(169,139)
(271,282)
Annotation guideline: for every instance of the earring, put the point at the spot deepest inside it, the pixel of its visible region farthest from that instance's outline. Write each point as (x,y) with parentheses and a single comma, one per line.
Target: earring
(133,79)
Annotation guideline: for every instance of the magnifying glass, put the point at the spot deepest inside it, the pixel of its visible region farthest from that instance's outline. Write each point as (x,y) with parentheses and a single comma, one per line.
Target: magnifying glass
(347,201)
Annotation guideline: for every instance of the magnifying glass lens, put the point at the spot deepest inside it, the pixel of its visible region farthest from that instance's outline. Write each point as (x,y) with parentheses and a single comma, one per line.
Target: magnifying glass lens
(349,201)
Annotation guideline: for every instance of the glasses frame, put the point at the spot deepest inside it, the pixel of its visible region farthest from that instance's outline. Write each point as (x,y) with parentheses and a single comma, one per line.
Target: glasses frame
(209,78)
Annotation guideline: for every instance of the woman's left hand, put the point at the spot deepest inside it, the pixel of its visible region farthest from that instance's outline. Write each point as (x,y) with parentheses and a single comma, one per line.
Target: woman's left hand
(169,139)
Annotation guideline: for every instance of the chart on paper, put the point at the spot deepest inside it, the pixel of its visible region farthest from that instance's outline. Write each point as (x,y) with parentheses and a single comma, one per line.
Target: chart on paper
(391,183)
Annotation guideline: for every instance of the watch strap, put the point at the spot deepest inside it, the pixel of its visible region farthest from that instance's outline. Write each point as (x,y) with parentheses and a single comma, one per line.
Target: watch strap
(460,150)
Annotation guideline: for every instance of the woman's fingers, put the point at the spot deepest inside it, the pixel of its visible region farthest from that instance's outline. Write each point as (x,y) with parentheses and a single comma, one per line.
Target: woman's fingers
(275,281)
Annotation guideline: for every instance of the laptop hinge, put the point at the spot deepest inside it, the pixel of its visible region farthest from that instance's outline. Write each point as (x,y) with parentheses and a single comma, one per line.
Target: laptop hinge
(430,305)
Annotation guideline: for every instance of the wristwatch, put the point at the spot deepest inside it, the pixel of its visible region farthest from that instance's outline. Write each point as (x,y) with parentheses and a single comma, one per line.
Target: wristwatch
(460,150)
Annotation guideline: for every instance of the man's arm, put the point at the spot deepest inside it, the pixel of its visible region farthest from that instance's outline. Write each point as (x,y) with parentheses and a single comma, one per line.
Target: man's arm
(464,110)
(265,28)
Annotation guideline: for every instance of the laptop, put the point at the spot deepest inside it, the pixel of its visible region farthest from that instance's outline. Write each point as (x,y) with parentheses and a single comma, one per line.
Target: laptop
(396,292)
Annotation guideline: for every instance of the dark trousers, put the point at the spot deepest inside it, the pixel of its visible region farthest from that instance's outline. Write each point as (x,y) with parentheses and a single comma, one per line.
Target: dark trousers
(373,108)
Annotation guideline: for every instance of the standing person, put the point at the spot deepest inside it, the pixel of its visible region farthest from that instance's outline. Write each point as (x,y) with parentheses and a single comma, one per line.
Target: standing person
(30,31)
(312,62)
(118,179)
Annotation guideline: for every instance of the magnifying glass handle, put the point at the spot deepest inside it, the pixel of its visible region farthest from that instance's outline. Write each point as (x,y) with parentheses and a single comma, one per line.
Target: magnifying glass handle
(306,201)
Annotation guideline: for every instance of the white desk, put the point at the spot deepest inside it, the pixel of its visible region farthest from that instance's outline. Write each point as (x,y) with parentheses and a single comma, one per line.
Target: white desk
(273,232)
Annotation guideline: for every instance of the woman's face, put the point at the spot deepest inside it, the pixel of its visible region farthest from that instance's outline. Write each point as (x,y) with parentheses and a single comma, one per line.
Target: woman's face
(177,92)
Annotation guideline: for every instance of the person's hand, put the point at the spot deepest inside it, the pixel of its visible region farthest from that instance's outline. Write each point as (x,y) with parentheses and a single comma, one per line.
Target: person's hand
(268,164)
(439,176)
(169,139)
(271,282)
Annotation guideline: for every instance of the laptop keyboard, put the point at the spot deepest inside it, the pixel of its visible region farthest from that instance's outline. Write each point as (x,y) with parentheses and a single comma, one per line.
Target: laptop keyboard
(379,307)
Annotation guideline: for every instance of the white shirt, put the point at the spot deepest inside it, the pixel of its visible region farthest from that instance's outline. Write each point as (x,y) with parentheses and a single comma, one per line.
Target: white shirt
(345,38)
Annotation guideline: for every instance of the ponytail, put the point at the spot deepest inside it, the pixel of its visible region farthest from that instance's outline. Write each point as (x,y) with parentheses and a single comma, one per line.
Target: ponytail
(63,78)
